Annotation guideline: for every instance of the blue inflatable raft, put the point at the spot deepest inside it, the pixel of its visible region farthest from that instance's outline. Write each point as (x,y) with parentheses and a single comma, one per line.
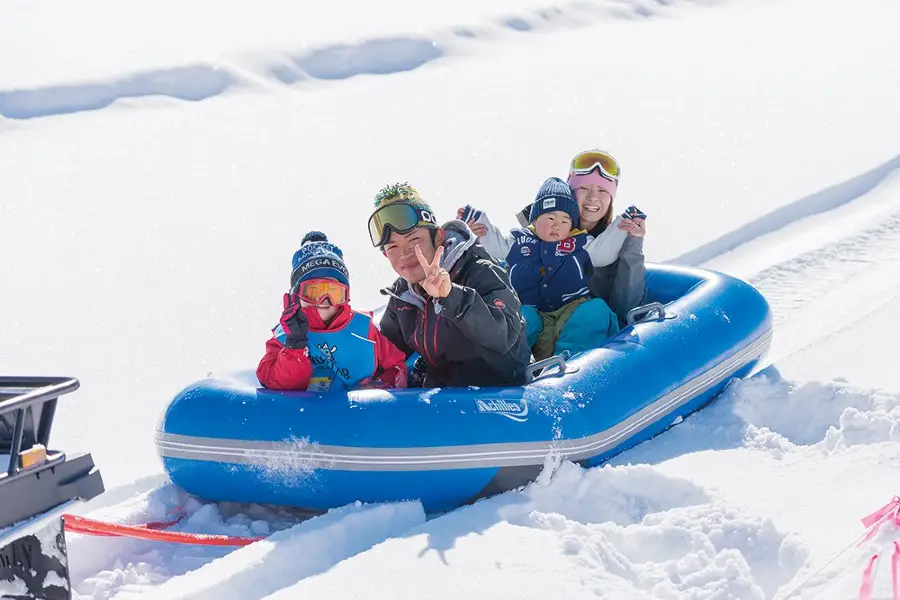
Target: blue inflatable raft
(233,440)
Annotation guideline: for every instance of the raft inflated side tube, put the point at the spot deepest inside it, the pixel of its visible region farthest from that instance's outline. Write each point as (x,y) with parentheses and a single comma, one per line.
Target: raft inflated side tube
(229,439)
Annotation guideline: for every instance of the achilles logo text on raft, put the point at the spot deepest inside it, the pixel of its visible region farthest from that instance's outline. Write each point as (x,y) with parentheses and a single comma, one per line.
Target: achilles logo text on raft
(516,411)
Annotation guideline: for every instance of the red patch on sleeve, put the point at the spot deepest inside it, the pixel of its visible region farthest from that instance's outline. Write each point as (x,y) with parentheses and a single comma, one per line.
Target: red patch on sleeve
(499,303)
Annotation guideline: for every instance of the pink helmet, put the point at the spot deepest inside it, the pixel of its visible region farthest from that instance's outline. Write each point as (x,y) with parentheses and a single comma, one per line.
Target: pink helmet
(575,181)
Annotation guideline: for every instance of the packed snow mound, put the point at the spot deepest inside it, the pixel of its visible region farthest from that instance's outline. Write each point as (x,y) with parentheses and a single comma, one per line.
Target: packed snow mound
(626,531)
(771,413)
(295,547)
(286,557)
(832,415)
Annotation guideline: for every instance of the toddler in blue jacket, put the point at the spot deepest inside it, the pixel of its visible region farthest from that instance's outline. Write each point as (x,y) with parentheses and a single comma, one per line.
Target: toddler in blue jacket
(549,267)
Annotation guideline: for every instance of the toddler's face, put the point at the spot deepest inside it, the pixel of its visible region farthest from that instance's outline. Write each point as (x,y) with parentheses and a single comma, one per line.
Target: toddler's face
(553,226)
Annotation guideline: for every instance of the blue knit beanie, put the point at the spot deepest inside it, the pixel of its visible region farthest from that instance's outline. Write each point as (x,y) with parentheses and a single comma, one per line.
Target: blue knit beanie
(317,258)
(555,194)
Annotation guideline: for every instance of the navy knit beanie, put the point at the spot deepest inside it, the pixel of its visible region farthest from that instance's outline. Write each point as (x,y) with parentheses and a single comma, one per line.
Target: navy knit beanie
(555,194)
(317,258)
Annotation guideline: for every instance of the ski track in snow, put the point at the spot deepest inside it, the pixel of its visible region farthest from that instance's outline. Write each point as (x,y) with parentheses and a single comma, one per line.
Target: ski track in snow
(853,269)
(195,81)
(818,202)
(832,287)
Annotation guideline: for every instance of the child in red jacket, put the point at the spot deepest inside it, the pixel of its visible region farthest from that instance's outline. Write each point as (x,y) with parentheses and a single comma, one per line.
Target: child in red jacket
(320,342)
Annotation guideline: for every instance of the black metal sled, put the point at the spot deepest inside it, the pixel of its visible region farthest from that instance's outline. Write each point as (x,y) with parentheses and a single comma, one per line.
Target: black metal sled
(37,485)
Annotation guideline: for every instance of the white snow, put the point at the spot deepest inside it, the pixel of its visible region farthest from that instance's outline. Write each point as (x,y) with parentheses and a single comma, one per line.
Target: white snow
(289,556)
(160,162)
(52,579)
(12,588)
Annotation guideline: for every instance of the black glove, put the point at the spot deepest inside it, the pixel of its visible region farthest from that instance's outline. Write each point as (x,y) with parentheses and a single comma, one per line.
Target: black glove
(294,323)
(416,377)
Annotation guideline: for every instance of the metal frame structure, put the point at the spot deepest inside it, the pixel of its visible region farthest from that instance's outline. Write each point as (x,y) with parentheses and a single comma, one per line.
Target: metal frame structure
(34,496)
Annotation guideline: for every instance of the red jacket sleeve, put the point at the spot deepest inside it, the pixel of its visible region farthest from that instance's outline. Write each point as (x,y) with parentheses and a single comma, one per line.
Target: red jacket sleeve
(390,361)
(283,368)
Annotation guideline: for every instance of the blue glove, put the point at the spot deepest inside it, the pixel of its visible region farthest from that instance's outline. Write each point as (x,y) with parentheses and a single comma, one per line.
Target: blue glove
(633,212)
(470,213)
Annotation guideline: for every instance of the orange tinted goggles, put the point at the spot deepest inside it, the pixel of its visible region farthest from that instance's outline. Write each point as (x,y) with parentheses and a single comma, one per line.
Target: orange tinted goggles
(586,162)
(316,291)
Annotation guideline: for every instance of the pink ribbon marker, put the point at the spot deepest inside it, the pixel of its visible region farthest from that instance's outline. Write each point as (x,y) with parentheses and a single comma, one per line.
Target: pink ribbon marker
(895,567)
(873,522)
(865,590)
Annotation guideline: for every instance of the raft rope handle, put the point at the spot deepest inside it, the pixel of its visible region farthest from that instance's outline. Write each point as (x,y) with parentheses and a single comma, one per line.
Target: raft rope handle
(535,367)
(646,309)
(151,531)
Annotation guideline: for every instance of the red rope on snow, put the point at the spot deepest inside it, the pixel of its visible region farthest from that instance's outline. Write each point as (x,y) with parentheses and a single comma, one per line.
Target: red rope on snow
(151,531)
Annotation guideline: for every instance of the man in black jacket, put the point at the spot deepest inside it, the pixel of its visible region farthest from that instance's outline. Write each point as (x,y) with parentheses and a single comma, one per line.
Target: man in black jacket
(453,303)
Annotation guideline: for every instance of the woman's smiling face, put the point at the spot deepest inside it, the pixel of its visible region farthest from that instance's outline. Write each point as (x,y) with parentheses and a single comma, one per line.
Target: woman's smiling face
(593,204)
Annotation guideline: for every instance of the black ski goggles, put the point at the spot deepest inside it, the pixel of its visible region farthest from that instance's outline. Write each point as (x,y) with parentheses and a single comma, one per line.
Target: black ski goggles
(400,218)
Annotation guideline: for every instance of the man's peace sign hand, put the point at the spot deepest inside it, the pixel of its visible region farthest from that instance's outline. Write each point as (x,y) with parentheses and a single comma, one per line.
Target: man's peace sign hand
(437,280)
